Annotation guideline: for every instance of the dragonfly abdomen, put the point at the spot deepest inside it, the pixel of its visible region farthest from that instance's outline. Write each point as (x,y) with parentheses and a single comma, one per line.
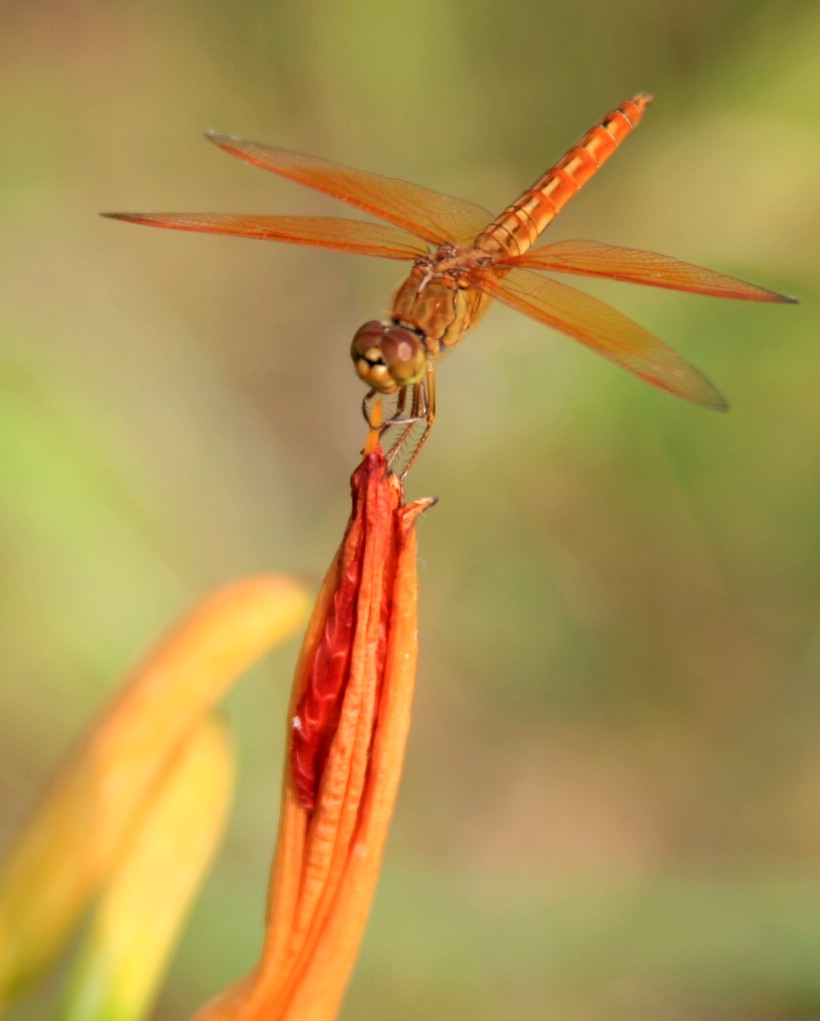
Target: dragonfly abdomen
(518,227)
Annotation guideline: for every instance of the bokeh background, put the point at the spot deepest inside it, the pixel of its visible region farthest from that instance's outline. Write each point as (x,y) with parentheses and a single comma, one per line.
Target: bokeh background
(611,807)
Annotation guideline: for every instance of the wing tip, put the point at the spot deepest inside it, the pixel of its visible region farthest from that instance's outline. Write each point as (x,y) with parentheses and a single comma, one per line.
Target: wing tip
(690,385)
(754,292)
(221,139)
(707,396)
(710,400)
(150,219)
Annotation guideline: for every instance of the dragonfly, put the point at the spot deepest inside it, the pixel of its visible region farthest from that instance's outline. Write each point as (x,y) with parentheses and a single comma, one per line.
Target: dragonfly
(463,257)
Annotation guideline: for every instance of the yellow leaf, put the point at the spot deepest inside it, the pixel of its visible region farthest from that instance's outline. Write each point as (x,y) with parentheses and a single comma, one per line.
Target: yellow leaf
(146,898)
(87,818)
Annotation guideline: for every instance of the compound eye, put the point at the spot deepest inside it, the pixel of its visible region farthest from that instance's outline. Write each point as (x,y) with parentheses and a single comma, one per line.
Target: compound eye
(404,355)
(388,357)
(367,338)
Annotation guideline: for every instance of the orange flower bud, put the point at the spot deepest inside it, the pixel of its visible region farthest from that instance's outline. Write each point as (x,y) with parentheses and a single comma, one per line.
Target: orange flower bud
(349,721)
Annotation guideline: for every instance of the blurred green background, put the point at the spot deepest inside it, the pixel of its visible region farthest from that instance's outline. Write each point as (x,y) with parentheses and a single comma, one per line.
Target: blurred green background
(611,807)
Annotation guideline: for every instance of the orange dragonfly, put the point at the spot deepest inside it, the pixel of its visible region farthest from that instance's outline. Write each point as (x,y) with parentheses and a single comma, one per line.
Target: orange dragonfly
(462,257)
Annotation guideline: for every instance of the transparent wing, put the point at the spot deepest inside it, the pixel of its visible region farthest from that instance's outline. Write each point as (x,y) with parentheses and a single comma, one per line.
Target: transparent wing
(591,258)
(428,214)
(603,329)
(355,236)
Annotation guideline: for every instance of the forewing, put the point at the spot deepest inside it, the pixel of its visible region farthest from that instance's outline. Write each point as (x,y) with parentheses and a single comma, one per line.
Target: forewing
(355,236)
(428,214)
(603,329)
(591,258)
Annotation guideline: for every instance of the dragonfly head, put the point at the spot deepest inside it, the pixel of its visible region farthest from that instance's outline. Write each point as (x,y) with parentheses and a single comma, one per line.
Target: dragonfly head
(388,357)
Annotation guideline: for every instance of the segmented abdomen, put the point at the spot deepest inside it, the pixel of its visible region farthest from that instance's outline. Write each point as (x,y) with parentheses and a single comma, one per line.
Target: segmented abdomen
(517,228)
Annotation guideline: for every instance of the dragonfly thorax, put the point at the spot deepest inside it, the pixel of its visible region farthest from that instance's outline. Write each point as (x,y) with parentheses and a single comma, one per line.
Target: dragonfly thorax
(438,300)
(388,357)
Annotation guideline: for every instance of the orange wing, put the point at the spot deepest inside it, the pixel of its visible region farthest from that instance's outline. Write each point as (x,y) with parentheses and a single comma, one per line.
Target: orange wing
(591,258)
(355,236)
(428,214)
(604,330)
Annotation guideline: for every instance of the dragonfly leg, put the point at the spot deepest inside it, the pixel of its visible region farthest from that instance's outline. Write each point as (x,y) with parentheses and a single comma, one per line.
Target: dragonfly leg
(415,403)
(422,409)
(400,415)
